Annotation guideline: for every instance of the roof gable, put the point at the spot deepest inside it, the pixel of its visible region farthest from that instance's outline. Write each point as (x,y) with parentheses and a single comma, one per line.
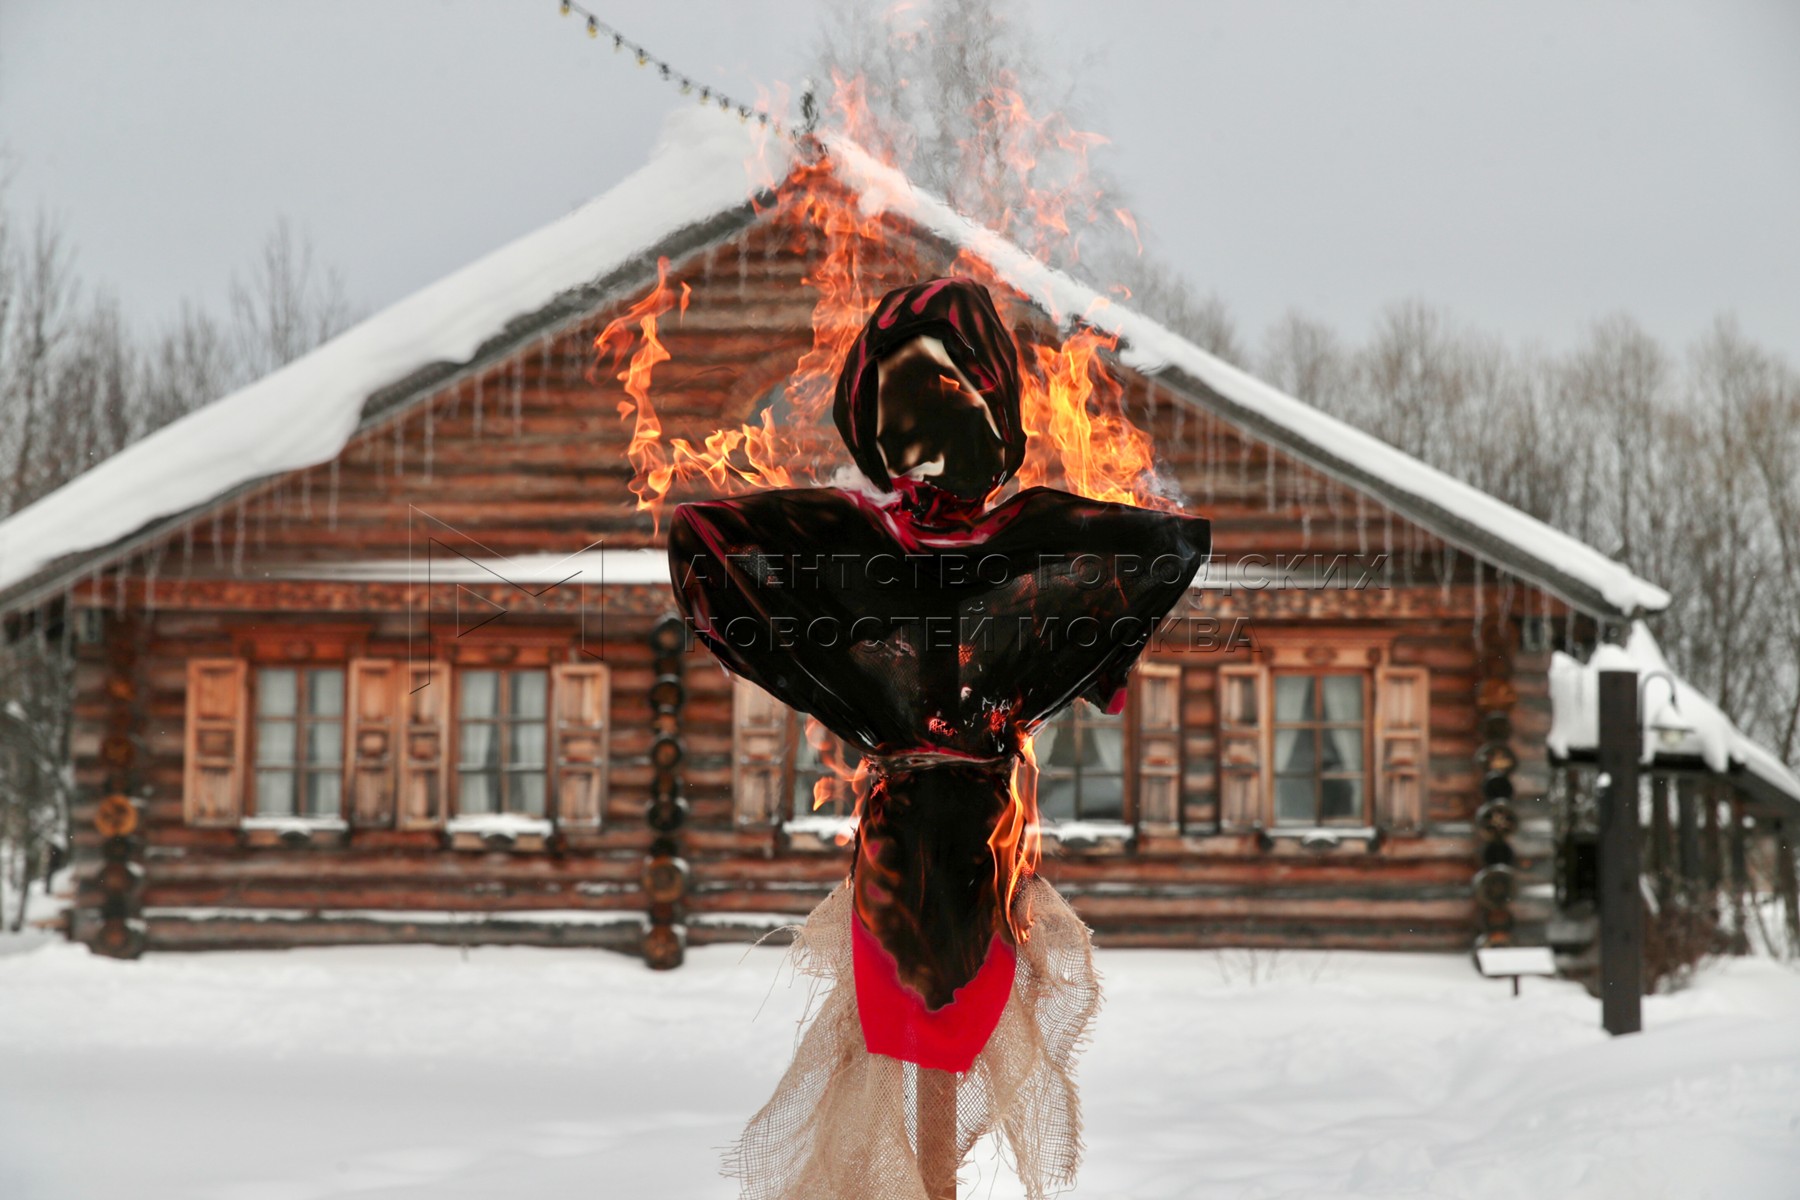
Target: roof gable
(694,191)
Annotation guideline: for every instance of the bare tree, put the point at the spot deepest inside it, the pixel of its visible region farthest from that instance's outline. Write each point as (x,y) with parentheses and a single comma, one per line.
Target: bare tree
(1620,375)
(35,782)
(1772,431)
(1413,379)
(1728,637)
(38,314)
(193,360)
(287,304)
(1304,358)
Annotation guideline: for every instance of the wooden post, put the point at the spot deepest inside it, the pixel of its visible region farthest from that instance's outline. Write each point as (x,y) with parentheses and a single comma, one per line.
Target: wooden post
(1621,903)
(1688,830)
(1710,858)
(935,1117)
(1740,879)
(1661,850)
(1786,883)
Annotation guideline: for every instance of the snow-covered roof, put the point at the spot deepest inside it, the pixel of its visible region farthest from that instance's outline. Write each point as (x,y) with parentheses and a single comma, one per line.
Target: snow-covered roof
(1680,724)
(1454,510)
(303,414)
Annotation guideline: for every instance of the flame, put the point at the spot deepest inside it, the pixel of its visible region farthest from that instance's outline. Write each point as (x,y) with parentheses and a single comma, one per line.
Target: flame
(1130,224)
(1016,843)
(841,779)
(1078,434)
(655,466)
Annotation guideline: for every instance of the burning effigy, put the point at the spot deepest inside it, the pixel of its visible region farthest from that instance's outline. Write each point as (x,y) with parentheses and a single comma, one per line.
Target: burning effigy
(930,605)
(933,630)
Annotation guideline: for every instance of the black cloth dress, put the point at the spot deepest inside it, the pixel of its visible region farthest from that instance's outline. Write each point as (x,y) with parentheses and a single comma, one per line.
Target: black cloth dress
(930,631)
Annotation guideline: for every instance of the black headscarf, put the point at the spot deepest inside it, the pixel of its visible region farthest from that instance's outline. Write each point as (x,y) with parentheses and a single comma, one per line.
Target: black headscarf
(960,314)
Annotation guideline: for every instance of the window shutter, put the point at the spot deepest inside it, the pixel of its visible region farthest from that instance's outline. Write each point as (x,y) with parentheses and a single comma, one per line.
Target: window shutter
(1402,746)
(426,707)
(759,740)
(374,709)
(213,783)
(1158,703)
(1243,746)
(580,693)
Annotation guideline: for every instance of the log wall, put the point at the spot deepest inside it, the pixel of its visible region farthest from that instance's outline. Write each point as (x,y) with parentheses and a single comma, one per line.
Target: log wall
(530,457)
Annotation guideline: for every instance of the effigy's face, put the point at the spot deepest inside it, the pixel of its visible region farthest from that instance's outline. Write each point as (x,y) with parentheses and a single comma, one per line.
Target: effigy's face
(933,425)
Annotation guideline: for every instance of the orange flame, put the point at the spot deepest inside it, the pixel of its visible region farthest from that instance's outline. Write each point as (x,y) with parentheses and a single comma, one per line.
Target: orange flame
(656,467)
(840,779)
(1078,434)
(1016,843)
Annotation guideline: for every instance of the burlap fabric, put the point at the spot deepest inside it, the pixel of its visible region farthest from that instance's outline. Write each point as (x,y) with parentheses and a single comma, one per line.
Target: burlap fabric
(842,1123)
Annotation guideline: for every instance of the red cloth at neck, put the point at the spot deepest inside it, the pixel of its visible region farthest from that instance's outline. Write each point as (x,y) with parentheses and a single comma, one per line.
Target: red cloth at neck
(895,1021)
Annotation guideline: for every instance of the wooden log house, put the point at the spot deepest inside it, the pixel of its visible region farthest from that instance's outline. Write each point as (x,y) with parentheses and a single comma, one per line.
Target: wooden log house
(378,649)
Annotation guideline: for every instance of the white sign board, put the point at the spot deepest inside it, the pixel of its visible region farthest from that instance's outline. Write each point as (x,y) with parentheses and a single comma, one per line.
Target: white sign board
(1515,960)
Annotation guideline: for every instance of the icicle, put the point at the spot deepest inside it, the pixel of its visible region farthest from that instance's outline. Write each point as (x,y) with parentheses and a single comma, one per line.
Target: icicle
(68,619)
(545,344)
(187,550)
(152,562)
(1362,527)
(331,497)
(119,590)
(306,494)
(237,543)
(743,268)
(430,437)
(1306,528)
(1478,601)
(1269,474)
(1446,567)
(475,411)
(1211,433)
(518,398)
(218,540)
(262,523)
(400,445)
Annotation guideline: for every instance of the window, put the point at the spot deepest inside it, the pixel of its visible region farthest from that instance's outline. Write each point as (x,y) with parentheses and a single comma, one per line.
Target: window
(823,765)
(502,723)
(1081,765)
(1321,729)
(781,760)
(299,742)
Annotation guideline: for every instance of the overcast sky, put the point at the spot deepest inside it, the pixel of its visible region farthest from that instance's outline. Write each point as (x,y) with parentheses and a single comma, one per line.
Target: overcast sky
(1529,165)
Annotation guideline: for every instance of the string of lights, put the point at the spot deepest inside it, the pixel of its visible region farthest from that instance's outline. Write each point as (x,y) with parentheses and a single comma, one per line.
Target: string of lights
(688,85)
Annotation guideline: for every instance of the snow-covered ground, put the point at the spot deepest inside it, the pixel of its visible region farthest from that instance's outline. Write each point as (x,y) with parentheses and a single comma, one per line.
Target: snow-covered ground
(426,1072)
